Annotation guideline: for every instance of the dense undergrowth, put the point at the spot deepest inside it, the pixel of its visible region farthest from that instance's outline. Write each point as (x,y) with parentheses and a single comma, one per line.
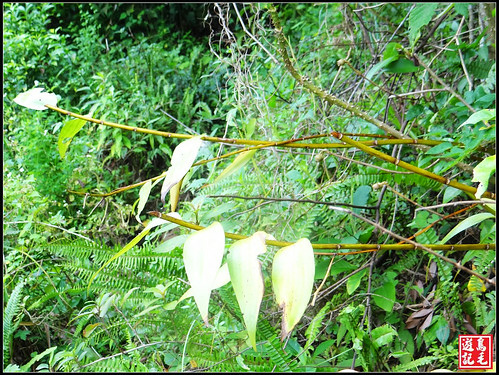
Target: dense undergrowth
(218,70)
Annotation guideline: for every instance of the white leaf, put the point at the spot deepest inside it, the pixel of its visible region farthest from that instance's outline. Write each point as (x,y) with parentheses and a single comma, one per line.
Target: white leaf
(293,273)
(221,279)
(36,99)
(203,252)
(182,159)
(246,276)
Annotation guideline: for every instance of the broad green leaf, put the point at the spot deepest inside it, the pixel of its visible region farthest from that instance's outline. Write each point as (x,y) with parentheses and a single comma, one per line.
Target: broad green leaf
(240,161)
(361,196)
(68,131)
(401,65)
(246,277)
(383,335)
(465,224)
(144,192)
(420,16)
(292,279)
(341,266)
(153,223)
(438,149)
(482,173)
(483,115)
(384,296)
(203,252)
(353,281)
(222,278)
(36,99)
(182,159)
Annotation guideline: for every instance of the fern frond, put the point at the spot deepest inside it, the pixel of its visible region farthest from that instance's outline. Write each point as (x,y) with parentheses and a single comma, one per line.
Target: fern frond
(273,348)
(313,329)
(10,312)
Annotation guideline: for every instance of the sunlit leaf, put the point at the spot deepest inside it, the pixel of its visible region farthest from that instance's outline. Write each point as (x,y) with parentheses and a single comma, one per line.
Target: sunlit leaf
(246,277)
(240,161)
(36,99)
(144,192)
(465,224)
(182,159)
(292,279)
(482,115)
(482,173)
(68,131)
(203,252)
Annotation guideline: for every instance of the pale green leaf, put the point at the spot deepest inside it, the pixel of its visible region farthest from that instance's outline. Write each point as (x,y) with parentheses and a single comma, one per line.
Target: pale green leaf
(240,161)
(246,276)
(483,115)
(420,16)
(465,224)
(182,159)
(292,279)
(144,192)
(482,173)
(68,131)
(36,99)
(203,252)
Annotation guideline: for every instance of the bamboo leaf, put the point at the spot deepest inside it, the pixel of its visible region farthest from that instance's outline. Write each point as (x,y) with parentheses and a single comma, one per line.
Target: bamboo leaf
(240,161)
(182,159)
(465,224)
(36,99)
(203,252)
(246,276)
(292,279)
(144,192)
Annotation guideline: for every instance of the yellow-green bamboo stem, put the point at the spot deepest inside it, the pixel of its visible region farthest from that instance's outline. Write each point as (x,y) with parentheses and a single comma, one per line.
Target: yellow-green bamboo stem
(410,167)
(293,144)
(325,246)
